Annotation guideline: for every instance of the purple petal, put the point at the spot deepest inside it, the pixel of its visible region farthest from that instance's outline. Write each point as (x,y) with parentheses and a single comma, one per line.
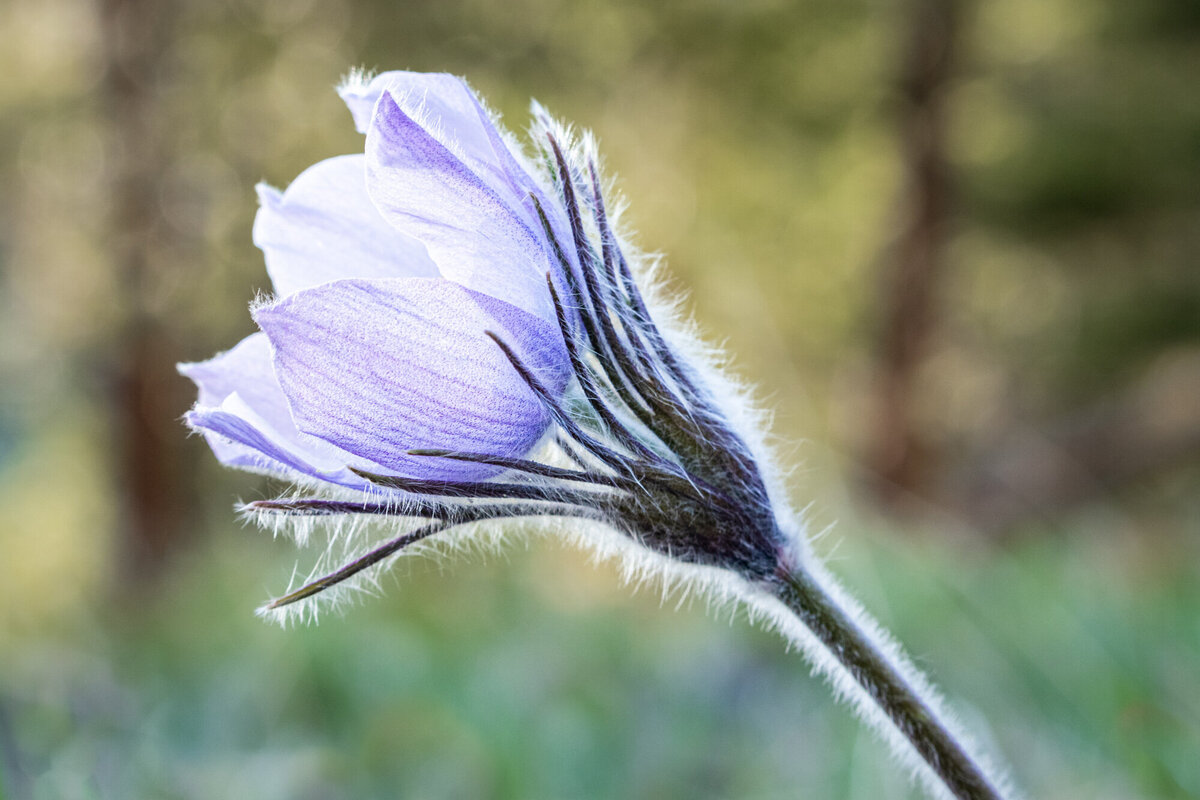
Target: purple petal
(240,439)
(380,367)
(475,238)
(233,453)
(247,369)
(243,413)
(450,112)
(446,100)
(324,227)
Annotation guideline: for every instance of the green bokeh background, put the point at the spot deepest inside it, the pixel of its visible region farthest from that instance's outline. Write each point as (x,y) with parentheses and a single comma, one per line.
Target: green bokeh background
(756,144)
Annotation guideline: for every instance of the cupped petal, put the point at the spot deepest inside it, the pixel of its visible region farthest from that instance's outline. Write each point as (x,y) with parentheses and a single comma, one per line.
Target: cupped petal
(447,108)
(245,369)
(377,368)
(446,101)
(230,452)
(473,235)
(240,438)
(244,416)
(324,227)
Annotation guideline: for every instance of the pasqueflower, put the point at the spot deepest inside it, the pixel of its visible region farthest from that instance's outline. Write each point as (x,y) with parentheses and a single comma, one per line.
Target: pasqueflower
(446,312)
(459,335)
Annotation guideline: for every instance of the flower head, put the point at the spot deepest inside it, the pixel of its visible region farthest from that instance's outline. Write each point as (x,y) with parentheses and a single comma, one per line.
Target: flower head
(459,335)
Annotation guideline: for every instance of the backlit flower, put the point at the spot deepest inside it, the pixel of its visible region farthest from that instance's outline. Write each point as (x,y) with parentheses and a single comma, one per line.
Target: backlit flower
(388,269)
(458,334)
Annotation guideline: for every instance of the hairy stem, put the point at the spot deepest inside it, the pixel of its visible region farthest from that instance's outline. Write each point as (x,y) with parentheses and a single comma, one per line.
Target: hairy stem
(883,681)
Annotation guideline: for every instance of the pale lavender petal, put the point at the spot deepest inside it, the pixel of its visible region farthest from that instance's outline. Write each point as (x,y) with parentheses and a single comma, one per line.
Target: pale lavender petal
(475,238)
(232,453)
(324,227)
(445,101)
(244,415)
(241,439)
(446,107)
(246,369)
(380,367)
(449,112)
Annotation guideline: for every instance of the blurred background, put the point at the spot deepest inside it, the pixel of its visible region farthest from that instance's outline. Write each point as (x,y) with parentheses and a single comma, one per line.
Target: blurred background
(953,242)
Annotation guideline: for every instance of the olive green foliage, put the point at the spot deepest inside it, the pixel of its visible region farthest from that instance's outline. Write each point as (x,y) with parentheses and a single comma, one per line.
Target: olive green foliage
(757,146)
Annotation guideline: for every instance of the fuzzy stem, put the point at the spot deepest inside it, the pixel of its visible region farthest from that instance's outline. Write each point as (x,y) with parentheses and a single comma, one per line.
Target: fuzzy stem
(884,682)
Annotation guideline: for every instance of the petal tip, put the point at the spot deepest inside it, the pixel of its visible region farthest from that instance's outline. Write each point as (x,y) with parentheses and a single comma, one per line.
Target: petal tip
(268,195)
(356,83)
(194,418)
(387,102)
(264,311)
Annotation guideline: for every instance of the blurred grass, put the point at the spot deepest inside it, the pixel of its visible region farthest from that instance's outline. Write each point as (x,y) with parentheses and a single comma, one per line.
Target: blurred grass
(537,675)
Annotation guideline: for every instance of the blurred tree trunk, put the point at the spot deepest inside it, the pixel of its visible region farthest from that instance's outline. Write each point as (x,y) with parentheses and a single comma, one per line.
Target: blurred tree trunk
(899,461)
(1029,469)
(1038,471)
(144,400)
